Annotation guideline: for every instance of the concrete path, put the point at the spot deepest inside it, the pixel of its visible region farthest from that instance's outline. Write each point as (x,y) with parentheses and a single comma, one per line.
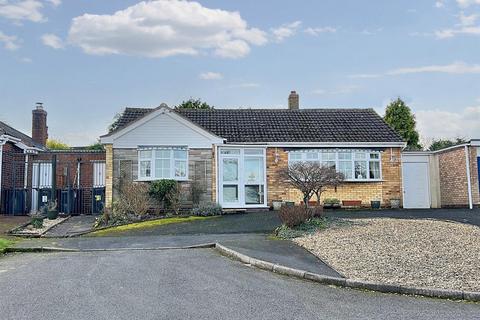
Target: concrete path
(255,245)
(73,226)
(188,284)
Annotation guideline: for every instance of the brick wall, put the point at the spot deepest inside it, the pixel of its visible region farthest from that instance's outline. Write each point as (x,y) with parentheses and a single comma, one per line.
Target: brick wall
(200,169)
(453,177)
(13,166)
(389,188)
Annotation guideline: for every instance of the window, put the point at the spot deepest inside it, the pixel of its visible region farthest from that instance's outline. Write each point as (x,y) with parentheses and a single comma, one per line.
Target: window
(163,163)
(356,165)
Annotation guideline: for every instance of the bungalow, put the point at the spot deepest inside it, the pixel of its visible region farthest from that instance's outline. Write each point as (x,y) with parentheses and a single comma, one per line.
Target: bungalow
(235,155)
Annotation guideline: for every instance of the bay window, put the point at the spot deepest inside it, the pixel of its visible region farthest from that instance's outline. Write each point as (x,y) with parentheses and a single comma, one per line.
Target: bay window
(162,163)
(355,165)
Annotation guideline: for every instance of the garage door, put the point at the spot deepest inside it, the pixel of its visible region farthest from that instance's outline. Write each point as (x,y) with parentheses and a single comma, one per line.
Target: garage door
(416,191)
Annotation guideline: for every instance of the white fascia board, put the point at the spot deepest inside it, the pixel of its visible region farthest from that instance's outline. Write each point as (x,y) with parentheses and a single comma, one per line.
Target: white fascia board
(325,144)
(162,110)
(475,142)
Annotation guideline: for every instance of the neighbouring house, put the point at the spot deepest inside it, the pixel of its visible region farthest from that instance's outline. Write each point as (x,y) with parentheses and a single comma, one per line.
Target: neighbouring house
(31,175)
(443,178)
(236,155)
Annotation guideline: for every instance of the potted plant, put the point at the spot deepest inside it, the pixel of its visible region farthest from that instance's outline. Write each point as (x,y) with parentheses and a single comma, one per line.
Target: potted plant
(375,204)
(277,204)
(52,212)
(331,203)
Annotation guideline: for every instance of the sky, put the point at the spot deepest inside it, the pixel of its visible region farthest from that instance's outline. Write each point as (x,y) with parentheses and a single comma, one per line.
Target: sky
(87,60)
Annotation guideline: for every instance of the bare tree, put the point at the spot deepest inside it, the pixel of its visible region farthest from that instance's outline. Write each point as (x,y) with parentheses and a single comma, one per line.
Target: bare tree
(311,178)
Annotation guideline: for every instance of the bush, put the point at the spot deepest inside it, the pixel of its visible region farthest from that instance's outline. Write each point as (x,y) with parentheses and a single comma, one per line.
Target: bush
(133,200)
(331,201)
(160,189)
(294,216)
(211,209)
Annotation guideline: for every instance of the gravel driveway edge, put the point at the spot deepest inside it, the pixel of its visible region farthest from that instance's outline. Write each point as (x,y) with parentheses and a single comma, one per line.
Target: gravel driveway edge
(349,283)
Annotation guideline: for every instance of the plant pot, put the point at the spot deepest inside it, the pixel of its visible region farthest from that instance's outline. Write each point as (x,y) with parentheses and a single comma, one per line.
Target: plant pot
(375,204)
(289,203)
(352,203)
(277,204)
(395,203)
(52,215)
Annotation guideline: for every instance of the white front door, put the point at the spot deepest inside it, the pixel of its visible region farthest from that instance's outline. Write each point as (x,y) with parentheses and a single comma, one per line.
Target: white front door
(241,177)
(416,189)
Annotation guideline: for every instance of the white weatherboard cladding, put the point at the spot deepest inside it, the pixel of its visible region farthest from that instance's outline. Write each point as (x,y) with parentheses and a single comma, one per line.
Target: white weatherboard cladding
(164,130)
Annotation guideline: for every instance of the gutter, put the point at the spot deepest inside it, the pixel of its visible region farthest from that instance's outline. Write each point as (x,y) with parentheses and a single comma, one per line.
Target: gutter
(469,181)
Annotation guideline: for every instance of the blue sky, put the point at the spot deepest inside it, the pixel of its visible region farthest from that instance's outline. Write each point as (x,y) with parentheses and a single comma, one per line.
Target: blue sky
(86,60)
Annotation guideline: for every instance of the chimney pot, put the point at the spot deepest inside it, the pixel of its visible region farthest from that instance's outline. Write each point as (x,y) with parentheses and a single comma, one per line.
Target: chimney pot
(293,100)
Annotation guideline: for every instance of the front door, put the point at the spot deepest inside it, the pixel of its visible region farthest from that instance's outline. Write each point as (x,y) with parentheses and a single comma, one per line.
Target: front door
(242,177)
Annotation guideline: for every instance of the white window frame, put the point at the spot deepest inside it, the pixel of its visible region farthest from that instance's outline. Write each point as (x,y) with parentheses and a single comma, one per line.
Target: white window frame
(304,158)
(152,159)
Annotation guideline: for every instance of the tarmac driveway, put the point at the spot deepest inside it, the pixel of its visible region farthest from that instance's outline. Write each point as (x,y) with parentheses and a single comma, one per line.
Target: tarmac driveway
(188,284)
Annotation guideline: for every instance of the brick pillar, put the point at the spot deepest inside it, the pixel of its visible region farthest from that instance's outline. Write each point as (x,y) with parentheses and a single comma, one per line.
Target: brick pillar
(108,175)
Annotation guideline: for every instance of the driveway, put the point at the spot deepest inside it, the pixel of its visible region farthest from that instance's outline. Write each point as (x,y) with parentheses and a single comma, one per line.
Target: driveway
(188,284)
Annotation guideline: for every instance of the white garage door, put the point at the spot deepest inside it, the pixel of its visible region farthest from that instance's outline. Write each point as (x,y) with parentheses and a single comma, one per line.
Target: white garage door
(416,191)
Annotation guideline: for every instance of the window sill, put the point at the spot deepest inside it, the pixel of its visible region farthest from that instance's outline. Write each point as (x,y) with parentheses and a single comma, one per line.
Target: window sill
(363,181)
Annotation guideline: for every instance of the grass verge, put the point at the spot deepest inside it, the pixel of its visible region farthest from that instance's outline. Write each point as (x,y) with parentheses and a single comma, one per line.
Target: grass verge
(4,243)
(146,225)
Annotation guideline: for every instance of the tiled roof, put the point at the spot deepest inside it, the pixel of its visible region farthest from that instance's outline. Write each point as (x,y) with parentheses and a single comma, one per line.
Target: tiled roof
(8,130)
(283,125)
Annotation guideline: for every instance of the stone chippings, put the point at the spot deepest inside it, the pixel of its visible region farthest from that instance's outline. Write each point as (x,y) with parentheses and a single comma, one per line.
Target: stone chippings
(417,253)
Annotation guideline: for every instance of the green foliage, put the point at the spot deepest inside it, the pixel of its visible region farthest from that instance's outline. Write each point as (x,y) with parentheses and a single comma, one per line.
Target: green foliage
(445,143)
(116,122)
(161,189)
(53,144)
(95,146)
(331,201)
(308,227)
(4,243)
(399,116)
(211,209)
(193,104)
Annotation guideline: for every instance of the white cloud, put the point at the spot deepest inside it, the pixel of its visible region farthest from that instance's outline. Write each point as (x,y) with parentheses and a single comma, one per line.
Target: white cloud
(210,76)
(9,42)
(467,3)
(317,31)
(458,67)
(26,60)
(55,3)
(285,31)
(166,28)
(454,68)
(22,10)
(467,20)
(446,124)
(439,4)
(53,41)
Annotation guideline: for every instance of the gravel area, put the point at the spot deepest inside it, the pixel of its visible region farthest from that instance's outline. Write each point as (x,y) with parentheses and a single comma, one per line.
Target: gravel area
(47,224)
(425,253)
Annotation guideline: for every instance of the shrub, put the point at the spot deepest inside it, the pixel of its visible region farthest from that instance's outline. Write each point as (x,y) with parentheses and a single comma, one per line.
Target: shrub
(331,201)
(160,189)
(294,216)
(133,200)
(307,227)
(173,198)
(211,209)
